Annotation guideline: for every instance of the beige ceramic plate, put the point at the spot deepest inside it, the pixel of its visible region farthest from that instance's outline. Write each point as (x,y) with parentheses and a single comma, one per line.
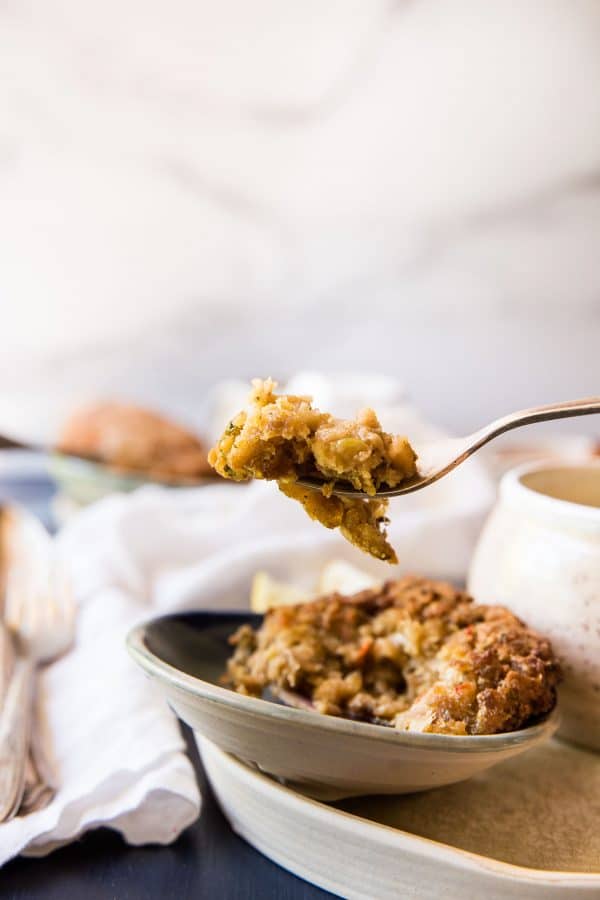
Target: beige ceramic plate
(526,829)
(328,756)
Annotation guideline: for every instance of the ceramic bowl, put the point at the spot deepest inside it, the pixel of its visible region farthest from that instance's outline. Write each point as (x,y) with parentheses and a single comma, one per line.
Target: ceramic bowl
(84,481)
(539,554)
(327,757)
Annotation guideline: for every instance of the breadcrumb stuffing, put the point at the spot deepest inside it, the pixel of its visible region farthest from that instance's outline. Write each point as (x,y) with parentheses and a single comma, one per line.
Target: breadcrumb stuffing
(283,438)
(417,655)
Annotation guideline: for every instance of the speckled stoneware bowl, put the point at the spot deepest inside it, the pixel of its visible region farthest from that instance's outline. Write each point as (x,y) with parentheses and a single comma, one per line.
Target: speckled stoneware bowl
(327,757)
(539,554)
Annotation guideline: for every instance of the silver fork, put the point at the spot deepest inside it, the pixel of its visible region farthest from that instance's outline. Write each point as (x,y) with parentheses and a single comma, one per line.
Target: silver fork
(439,457)
(39,616)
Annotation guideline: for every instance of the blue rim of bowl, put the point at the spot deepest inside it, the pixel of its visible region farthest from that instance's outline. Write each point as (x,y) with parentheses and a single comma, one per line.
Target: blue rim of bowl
(481,743)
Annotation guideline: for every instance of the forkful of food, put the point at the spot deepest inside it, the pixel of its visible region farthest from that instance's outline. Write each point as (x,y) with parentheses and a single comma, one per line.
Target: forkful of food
(344,471)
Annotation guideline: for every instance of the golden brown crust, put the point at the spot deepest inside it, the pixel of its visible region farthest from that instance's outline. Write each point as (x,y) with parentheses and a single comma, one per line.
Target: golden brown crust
(132,439)
(362,522)
(416,654)
(284,438)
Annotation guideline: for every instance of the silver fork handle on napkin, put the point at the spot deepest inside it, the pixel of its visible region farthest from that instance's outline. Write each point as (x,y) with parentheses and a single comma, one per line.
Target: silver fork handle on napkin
(15,730)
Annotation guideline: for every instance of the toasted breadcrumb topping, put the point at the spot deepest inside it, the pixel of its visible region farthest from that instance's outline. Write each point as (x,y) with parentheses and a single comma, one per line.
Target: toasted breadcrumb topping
(418,655)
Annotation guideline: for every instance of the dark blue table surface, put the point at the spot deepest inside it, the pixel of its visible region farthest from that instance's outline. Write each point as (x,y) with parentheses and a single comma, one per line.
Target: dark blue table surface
(207,861)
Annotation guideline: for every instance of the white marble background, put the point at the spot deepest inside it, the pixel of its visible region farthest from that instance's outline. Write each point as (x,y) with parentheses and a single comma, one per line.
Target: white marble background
(190,190)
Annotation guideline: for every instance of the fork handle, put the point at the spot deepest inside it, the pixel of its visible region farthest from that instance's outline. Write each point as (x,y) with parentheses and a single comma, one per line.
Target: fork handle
(565,410)
(15,726)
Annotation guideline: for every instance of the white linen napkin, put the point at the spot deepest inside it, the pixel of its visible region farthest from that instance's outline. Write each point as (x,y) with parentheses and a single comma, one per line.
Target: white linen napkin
(118,747)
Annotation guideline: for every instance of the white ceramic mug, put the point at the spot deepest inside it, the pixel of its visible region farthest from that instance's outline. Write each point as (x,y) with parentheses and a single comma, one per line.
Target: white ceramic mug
(539,554)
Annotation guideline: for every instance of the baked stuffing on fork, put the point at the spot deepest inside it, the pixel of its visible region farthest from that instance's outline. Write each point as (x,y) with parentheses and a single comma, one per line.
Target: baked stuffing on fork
(284,438)
(415,654)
